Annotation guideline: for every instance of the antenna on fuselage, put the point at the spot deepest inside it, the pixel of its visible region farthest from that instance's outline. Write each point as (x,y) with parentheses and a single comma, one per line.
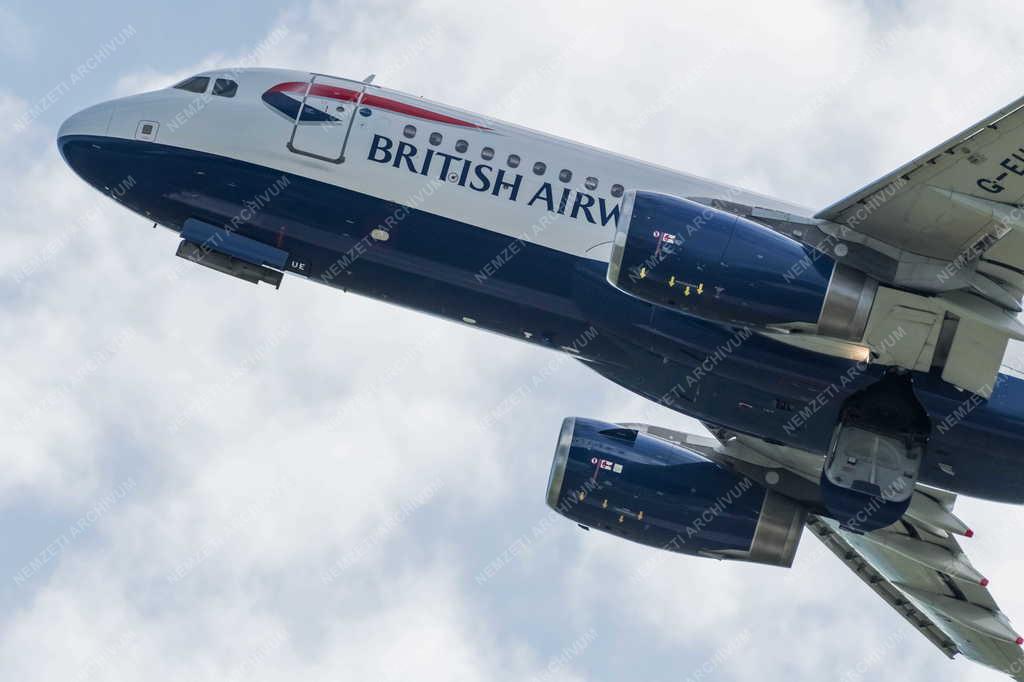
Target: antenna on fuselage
(369,79)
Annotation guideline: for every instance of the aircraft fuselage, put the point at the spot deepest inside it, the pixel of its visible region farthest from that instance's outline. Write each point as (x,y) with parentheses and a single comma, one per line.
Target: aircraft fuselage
(411,202)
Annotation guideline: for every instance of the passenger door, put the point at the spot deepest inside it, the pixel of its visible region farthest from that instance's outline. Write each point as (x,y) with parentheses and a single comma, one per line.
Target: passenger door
(323,121)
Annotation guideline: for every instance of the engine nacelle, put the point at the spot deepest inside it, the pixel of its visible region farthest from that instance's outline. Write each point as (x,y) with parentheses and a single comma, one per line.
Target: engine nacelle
(718,266)
(650,491)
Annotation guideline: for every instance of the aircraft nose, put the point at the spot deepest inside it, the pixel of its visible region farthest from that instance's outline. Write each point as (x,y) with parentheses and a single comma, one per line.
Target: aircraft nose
(87,148)
(93,121)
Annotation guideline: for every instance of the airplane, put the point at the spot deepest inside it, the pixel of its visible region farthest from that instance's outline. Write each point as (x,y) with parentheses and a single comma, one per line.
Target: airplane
(848,361)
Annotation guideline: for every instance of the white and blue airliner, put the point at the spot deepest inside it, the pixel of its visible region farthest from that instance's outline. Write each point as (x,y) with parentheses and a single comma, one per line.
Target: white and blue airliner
(848,360)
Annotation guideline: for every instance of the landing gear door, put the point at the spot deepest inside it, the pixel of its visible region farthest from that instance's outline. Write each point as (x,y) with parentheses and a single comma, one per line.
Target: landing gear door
(875,457)
(324,118)
(873,464)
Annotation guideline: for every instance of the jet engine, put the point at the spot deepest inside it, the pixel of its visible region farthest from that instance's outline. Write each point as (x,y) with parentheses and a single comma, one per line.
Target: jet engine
(715,265)
(651,491)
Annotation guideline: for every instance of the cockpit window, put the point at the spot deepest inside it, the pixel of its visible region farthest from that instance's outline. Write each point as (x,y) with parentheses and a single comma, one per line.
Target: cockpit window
(225,87)
(194,84)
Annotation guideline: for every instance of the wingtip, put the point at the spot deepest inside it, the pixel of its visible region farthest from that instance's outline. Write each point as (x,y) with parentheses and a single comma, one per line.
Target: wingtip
(968,533)
(984,582)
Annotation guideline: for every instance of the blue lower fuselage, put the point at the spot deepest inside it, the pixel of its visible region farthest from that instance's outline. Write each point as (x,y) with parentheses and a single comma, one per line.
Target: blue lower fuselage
(745,383)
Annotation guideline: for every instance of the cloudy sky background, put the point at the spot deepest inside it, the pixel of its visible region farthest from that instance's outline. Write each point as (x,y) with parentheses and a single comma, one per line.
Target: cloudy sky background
(220,481)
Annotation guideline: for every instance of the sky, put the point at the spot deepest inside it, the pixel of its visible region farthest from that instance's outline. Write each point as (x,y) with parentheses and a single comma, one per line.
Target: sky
(207,480)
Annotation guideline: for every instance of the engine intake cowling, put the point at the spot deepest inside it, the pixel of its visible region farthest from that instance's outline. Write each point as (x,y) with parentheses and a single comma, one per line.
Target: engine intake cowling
(650,491)
(718,266)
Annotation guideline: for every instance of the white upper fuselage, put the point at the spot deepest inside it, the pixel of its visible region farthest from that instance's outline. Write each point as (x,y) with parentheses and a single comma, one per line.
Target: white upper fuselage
(247,128)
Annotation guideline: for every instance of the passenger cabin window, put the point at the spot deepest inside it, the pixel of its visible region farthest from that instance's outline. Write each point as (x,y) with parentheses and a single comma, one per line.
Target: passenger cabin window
(194,84)
(590,183)
(409,131)
(461,146)
(513,160)
(616,190)
(223,87)
(435,139)
(565,175)
(540,168)
(487,153)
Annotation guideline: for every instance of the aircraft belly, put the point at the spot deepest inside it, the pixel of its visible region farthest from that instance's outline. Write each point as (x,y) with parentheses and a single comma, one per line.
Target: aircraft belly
(749,384)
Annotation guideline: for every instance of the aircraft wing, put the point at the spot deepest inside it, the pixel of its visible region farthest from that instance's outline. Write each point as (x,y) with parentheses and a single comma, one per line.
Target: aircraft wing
(916,565)
(956,613)
(948,224)
(955,203)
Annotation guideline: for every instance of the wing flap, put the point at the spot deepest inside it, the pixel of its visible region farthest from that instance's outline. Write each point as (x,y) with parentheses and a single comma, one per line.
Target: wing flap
(915,565)
(832,539)
(957,614)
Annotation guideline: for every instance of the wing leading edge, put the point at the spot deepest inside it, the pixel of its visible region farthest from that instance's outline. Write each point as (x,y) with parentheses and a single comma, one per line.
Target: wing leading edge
(954,202)
(944,235)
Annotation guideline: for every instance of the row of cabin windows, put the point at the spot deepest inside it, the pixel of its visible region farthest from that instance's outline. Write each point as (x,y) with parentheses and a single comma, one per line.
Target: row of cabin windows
(222,87)
(513,160)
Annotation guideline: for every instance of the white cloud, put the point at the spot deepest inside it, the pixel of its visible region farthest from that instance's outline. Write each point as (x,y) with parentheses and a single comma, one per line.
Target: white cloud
(251,485)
